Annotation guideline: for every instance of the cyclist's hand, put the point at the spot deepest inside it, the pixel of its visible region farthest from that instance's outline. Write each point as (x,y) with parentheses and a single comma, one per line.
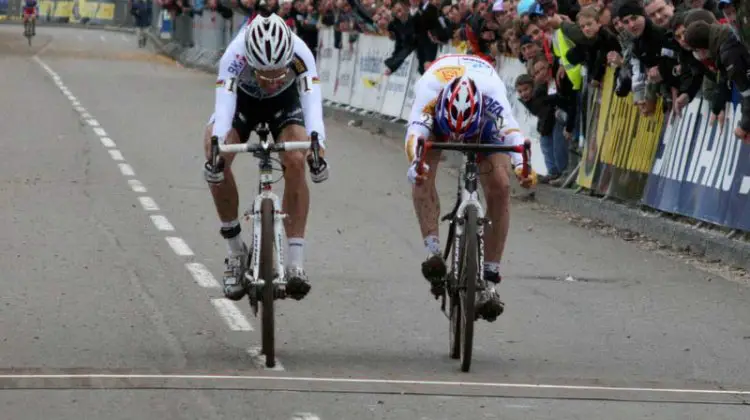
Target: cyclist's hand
(412,174)
(529,181)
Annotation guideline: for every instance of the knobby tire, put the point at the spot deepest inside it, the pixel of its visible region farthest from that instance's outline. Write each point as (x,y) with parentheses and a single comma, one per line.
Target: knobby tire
(267,274)
(468,281)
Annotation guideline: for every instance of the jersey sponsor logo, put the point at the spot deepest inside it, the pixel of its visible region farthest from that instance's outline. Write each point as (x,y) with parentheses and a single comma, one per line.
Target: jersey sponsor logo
(299,64)
(238,64)
(492,107)
(448,73)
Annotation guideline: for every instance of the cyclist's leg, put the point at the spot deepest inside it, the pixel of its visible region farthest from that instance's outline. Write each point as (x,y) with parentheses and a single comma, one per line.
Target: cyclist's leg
(288,124)
(494,169)
(427,208)
(226,200)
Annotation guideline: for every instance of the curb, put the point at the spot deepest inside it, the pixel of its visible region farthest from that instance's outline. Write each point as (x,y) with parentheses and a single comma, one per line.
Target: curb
(71,25)
(652,224)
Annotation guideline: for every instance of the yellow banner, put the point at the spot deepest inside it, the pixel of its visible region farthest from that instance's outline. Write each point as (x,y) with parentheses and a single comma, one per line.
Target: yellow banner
(623,138)
(77,10)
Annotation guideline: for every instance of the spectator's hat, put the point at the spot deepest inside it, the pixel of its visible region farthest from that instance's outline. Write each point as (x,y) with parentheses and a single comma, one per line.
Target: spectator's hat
(724,3)
(524,6)
(630,7)
(498,6)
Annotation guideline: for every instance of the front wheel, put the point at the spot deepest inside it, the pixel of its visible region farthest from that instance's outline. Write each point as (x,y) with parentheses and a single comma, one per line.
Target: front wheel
(266,272)
(467,284)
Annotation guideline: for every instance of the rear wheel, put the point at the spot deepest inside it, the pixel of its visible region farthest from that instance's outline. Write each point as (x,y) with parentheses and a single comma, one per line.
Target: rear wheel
(266,272)
(468,283)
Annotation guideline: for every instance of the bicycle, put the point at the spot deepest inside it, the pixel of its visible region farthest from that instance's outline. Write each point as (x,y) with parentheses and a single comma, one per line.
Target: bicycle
(265,275)
(29,27)
(465,244)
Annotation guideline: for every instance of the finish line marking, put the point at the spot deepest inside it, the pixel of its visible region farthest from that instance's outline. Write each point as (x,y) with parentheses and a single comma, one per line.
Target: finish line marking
(366,381)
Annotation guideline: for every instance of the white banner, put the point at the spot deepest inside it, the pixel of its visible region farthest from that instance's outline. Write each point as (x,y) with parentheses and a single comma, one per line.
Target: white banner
(328,64)
(395,91)
(342,88)
(369,78)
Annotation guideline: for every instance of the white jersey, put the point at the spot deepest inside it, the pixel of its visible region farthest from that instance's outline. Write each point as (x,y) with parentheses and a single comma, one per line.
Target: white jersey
(235,73)
(496,105)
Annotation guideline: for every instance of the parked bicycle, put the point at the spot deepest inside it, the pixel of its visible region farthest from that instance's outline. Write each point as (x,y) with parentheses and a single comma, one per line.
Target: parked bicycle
(465,244)
(265,276)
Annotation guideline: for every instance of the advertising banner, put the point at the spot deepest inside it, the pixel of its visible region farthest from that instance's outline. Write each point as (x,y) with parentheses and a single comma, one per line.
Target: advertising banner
(701,171)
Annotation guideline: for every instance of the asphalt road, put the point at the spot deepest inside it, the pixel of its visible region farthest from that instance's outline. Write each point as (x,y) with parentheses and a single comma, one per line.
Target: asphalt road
(109,309)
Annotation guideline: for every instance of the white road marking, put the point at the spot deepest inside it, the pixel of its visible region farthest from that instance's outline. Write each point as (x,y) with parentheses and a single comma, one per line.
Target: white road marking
(85,115)
(259,359)
(161,223)
(135,184)
(107,142)
(179,246)
(126,169)
(201,275)
(412,382)
(93,122)
(102,38)
(80,38)
(73,99)
(100,131)
(80,109)
(148,203)
(115,155)
(304,416)
(124,38)
(233,317)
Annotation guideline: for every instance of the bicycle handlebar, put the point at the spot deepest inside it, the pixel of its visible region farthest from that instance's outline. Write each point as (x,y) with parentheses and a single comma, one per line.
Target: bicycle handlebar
(424,146)
(274,147)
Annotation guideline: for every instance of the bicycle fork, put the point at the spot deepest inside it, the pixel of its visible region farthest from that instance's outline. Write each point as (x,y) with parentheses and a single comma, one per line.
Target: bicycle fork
(254,283)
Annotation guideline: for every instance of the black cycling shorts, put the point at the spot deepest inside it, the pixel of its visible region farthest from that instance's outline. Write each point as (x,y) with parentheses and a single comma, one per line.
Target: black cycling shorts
(278,112)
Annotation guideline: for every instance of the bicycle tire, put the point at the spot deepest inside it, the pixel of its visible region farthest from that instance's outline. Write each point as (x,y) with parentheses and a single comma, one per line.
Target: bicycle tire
(454,303)
(266,271)
(469,271)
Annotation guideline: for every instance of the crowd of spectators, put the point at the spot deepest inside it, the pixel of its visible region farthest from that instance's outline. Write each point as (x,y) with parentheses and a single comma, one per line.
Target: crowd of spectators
(668,49)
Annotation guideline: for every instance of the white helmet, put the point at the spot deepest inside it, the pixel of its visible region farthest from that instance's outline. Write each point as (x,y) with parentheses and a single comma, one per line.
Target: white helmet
(269,43)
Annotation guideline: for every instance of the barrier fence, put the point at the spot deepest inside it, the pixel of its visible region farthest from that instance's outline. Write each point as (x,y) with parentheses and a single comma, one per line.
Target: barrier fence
(684,166)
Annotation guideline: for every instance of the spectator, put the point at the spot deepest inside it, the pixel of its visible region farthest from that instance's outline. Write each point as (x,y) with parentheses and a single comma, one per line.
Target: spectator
(401,31)
(565,112)
(141,11)
(537,100)
(720,44)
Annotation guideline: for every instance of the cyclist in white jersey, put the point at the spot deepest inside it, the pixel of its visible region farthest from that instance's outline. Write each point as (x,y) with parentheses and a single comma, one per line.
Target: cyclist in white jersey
(267,74)
(461,98)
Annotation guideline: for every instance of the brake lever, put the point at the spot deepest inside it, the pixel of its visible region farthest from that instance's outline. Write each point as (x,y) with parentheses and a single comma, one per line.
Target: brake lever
(314,159)
(216,160)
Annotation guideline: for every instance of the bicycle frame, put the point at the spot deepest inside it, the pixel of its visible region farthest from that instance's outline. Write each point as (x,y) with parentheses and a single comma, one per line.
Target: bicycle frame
(467,195)
(263,151)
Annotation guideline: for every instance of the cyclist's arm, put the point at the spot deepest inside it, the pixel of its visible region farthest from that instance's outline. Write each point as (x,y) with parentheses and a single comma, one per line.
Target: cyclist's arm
(421,118)
(507,127)
(311,97)
(226,87)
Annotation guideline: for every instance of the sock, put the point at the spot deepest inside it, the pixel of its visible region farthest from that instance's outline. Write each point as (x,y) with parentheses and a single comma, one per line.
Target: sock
(493,267)
(234,244)
(296,251)
(432,244)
